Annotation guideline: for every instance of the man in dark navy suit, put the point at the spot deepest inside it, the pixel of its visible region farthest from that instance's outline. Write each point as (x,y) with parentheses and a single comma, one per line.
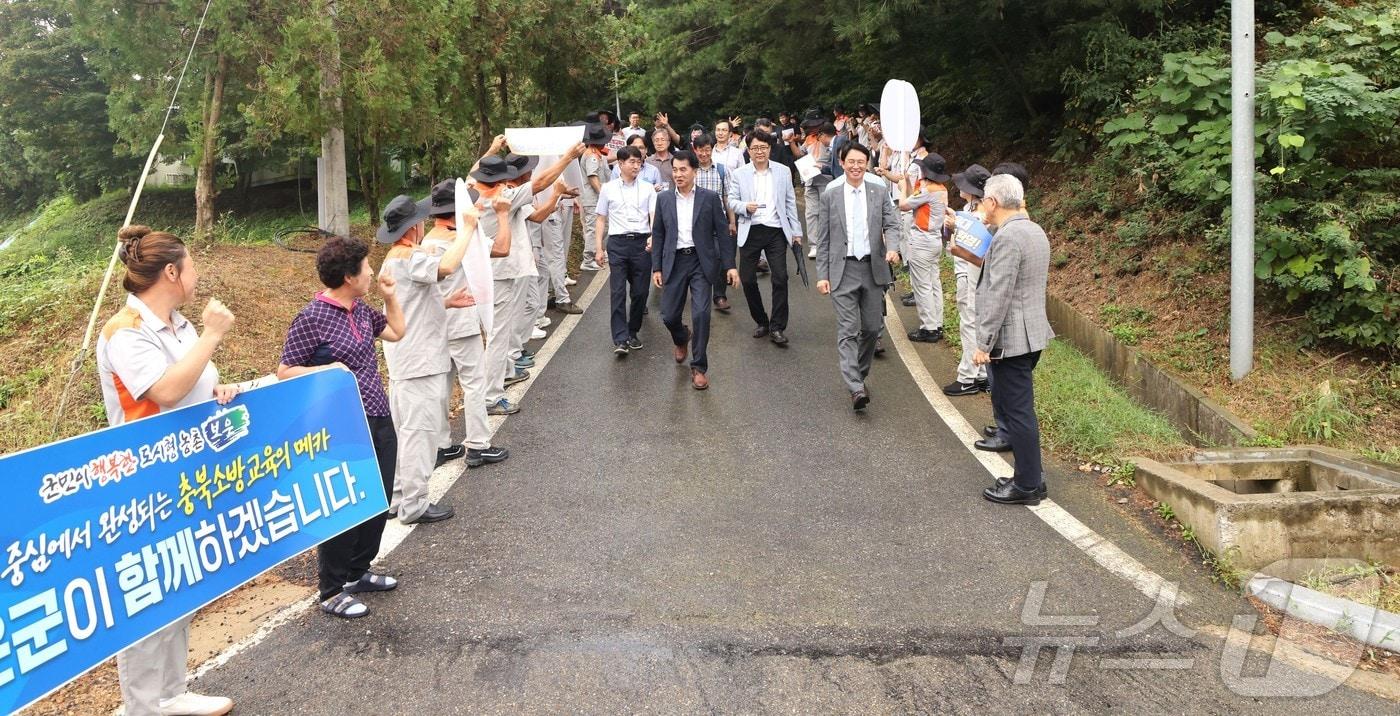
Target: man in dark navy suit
(692,252)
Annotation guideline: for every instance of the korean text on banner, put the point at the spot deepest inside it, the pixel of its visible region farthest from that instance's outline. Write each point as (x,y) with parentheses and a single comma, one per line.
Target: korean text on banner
(112,535)
(971,239)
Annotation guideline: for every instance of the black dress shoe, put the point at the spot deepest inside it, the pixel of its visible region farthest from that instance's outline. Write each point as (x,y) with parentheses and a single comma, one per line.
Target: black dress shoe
(722,304)
(957,388)
(990,431)
(993,445)
(760,332)
(1007,493)
(1040,492)
(446,455)
(778,338)
(924,335)
(880,346)
(859,400)
(907,299)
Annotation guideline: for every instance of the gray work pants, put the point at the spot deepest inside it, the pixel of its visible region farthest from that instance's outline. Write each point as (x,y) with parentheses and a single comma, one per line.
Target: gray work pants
(925,252)
(558,229)
(154,668)
(467,353)
(419,421)
(589,217)
(967,275)
(505,333)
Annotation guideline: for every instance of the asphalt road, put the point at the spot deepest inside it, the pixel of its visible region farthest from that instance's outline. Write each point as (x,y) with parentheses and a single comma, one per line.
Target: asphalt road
(754,548)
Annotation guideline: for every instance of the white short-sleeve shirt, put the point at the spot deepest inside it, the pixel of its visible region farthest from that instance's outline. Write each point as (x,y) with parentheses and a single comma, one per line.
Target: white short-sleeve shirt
(134,350)
(628,207)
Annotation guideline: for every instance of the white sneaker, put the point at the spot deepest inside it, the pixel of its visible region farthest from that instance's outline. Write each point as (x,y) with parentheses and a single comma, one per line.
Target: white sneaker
(813,253)
(537,334)
(192,704)
(542,322)
(570,282)
(590,266)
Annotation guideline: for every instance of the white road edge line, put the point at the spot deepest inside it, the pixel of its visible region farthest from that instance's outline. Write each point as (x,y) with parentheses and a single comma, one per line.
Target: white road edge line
(1107,554)
(439,483)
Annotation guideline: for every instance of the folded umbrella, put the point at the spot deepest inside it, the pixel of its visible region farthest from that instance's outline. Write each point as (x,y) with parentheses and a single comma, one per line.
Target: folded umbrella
(801,265)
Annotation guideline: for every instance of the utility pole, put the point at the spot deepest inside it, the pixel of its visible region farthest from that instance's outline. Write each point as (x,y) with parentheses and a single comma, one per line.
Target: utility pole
(617,97)
(332,194)
(1241,188)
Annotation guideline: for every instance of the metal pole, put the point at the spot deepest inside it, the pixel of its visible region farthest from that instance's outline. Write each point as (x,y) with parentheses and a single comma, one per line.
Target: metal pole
(1241,188)
(617,97)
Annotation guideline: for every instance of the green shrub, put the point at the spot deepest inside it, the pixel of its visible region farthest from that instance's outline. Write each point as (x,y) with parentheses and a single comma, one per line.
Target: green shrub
(1328,207)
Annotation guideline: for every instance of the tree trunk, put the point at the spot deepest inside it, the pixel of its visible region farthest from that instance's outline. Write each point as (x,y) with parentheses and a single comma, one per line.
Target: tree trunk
(483,109)
(376,181)
(204,187)
(503,94)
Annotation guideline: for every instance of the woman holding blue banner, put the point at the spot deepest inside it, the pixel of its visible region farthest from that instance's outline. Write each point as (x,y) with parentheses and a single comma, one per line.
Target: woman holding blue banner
(151,359)
(972,378)
(338,328)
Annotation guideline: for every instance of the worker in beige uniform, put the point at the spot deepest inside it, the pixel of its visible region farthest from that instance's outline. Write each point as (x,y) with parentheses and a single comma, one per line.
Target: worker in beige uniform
(150,359)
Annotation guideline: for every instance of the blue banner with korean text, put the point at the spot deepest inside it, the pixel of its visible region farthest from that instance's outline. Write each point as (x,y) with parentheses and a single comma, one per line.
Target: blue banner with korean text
(112,535)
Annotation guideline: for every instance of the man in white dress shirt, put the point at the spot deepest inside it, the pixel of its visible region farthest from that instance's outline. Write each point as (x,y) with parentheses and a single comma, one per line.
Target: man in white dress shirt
(765,209)
(622,238)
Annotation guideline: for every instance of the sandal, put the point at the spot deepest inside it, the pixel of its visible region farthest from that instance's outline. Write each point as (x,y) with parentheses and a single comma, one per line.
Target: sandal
(371,582)
(345,606)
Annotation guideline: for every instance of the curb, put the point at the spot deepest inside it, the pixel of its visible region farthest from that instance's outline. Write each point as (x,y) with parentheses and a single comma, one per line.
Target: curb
(1369,625)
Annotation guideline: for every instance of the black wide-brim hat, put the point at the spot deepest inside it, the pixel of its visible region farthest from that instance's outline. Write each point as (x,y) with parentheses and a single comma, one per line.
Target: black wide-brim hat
(972,179)
(402,214)
(934,168)
(596,135)
(521,165)
(442,198)
(491,170)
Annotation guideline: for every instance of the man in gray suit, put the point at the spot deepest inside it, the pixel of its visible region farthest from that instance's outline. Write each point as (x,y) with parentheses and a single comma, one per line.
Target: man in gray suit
(1012,330)
(765,208)
(856,233)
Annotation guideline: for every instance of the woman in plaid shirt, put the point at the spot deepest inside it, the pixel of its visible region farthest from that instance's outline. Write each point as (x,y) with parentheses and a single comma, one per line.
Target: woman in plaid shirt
(338,328)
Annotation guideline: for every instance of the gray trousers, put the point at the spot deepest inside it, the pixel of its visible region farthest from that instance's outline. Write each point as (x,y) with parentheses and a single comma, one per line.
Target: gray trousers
(906,225)
(811,204)
(967,275)
(589,217)
(924,254)
(419,421)
(558,229)
(467,353)
(860,306)
(536,287)
(154,668)
(506,312)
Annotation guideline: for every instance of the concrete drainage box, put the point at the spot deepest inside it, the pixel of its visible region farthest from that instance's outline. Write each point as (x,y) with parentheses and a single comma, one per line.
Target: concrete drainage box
(1305,503)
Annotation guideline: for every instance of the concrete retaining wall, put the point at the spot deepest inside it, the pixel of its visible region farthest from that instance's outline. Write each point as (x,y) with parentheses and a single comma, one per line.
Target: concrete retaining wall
(1202,421)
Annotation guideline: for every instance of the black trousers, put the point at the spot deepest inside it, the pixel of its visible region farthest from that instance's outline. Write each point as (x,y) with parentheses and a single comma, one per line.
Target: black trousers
(630,277)
(1013,402)
(346,556)
(772,241)
(687,279)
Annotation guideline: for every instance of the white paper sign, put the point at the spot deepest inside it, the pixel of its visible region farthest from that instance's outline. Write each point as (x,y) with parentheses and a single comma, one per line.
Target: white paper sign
(807,168)
(539,141)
